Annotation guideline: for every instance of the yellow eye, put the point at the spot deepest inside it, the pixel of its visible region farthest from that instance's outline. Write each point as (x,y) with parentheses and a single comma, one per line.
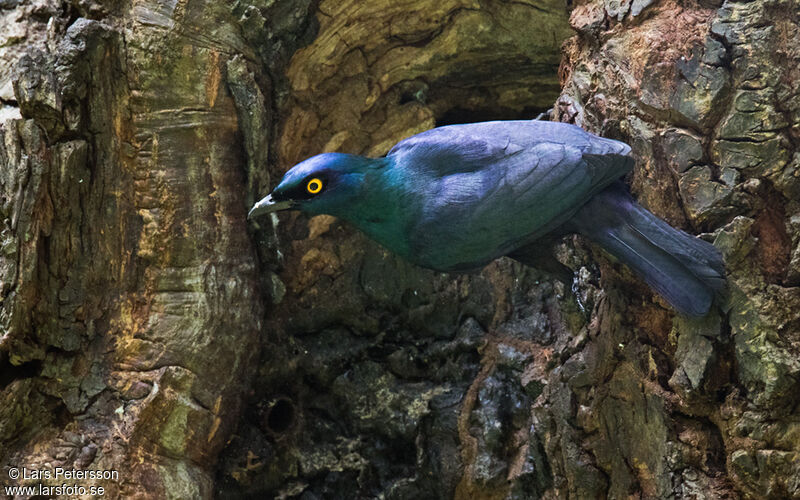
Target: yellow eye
(314,186)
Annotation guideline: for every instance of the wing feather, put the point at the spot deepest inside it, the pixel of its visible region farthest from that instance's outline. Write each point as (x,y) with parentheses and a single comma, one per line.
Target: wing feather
(466,147)
(509,193)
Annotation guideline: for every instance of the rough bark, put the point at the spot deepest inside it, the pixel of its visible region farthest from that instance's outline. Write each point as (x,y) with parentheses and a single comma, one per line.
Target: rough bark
(135,135)
(707,96)
(130,311)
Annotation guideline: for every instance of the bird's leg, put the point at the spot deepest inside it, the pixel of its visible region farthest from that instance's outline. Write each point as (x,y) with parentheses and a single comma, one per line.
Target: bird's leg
(539,255)
(545,115)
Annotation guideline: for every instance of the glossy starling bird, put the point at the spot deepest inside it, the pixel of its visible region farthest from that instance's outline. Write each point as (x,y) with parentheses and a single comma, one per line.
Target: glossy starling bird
(455,198)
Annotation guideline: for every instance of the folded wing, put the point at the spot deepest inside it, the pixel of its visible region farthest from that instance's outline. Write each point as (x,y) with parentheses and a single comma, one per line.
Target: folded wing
(490,188)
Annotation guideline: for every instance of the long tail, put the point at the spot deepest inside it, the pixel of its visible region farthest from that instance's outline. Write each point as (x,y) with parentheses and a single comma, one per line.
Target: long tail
(687,271)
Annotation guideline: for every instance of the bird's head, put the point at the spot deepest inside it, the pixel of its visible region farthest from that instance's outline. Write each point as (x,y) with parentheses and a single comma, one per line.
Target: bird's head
(326,183)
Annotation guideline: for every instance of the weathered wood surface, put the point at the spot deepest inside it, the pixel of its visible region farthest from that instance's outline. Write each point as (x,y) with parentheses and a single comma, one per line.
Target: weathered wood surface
(129,300)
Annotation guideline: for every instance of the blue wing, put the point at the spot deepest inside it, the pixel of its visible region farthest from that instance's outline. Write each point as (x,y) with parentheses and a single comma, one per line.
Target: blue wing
(467,147)
(490,188)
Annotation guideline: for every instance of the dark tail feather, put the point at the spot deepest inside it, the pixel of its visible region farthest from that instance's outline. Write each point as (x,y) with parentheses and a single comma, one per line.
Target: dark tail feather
(687,271)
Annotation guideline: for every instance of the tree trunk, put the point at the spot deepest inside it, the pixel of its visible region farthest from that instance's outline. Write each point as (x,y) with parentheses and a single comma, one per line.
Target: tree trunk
(130,304)
(135,299)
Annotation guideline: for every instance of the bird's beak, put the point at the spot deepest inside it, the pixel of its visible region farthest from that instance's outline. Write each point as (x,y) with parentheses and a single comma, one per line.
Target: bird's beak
(268,205)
